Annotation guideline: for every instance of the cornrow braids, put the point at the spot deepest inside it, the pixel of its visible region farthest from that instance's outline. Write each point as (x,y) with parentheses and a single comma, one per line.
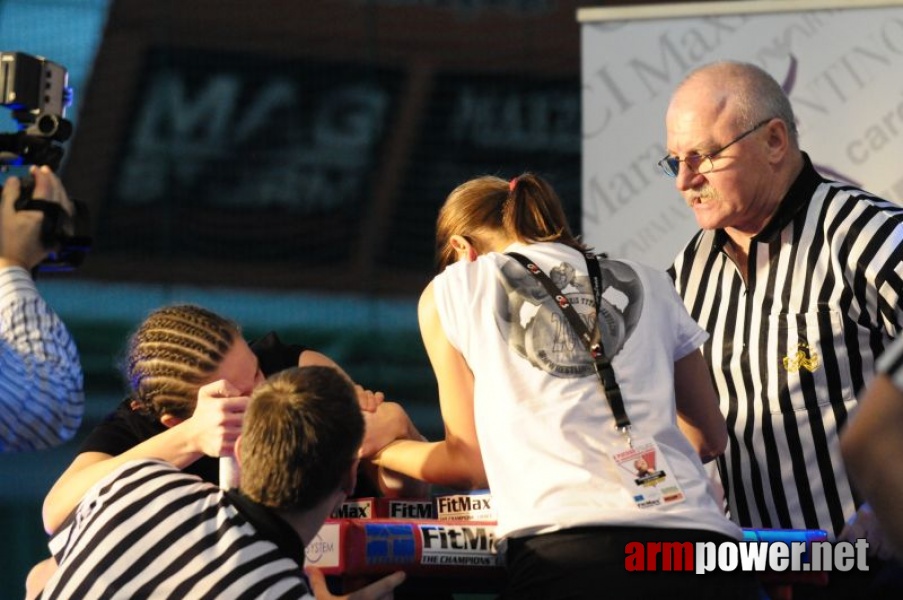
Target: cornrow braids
(172,354)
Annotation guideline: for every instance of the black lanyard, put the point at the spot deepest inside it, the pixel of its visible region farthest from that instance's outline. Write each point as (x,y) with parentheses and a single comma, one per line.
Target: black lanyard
(591,338)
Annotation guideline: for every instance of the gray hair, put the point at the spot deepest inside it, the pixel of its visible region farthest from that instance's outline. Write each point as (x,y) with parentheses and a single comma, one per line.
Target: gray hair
(757,95)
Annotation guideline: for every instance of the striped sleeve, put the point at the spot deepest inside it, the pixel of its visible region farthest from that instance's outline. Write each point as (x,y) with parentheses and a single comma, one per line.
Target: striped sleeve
(148,530)
(41,387)
(891,363)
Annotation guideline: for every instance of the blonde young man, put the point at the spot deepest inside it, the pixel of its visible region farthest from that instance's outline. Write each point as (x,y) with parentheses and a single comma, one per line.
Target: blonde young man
(151,530)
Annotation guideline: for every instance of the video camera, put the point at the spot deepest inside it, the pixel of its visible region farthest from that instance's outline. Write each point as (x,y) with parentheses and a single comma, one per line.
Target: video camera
(36,91)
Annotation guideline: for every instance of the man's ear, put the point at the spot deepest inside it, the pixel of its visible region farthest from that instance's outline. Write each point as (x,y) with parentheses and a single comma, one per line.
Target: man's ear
(169,420)
(778,138)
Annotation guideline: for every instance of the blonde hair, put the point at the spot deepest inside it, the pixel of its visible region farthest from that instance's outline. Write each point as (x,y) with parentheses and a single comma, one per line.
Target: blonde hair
(172,354)
(526,209)
(301,435)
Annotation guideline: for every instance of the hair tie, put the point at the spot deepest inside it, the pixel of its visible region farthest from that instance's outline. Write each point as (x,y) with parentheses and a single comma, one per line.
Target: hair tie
(512,184)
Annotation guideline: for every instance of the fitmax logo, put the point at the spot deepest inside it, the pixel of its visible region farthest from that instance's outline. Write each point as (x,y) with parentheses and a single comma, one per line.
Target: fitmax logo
(441,537)
(463,503)
(350,510)
(407,510)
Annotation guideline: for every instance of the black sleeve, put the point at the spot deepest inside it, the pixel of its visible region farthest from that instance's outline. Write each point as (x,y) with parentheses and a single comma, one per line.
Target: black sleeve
(120,430)
(274,355)
(125,428)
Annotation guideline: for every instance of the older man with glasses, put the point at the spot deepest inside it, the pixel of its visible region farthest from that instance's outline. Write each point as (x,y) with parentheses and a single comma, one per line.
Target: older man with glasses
(798,280)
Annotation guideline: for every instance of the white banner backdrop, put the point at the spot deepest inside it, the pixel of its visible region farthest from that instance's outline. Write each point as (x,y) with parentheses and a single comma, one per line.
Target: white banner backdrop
(841,62)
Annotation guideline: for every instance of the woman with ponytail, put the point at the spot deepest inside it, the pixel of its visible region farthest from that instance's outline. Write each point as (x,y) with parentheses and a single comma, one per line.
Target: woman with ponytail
(557,371)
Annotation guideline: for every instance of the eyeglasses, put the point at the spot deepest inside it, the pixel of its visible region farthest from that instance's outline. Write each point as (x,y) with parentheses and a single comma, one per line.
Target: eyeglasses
(703,163)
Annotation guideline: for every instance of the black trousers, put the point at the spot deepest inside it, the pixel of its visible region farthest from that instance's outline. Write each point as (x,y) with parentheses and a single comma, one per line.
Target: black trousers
(588,563)
(883,581)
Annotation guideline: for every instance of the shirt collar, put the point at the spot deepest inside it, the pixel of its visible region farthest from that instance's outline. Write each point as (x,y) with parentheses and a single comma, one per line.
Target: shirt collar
(795,200)
(270,525)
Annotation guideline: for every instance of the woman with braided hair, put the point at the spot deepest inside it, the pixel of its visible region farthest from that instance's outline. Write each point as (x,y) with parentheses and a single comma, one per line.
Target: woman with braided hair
(191,374)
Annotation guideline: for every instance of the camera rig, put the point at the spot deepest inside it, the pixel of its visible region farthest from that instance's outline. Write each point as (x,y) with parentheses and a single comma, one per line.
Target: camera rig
(36,91)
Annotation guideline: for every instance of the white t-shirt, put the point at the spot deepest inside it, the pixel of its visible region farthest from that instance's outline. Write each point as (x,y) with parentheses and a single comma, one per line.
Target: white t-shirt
(545,428)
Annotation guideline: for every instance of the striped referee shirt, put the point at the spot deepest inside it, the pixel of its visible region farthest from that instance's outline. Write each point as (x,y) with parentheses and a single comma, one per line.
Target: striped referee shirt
(791,347)
(891,363)
(41,391)
(149,530)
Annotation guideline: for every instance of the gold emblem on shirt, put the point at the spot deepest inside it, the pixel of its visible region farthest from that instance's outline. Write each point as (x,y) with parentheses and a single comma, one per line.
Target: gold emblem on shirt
(802,358)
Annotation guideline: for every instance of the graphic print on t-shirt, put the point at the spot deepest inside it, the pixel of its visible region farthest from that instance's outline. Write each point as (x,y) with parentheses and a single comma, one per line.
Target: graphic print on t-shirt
(537,330)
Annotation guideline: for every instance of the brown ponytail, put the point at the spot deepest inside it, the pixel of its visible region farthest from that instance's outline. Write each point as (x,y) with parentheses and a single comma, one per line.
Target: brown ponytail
(525,208)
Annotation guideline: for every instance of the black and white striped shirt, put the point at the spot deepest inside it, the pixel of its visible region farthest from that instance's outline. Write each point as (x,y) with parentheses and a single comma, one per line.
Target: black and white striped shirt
(41,392)
(791,347)
(149,530)
(891,363)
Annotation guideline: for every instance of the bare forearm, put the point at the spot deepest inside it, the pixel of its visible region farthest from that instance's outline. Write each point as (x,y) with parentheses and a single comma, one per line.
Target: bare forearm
(870,443)
(175,445)
(698,415)
(434,462)
(705,447)
(398,426)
